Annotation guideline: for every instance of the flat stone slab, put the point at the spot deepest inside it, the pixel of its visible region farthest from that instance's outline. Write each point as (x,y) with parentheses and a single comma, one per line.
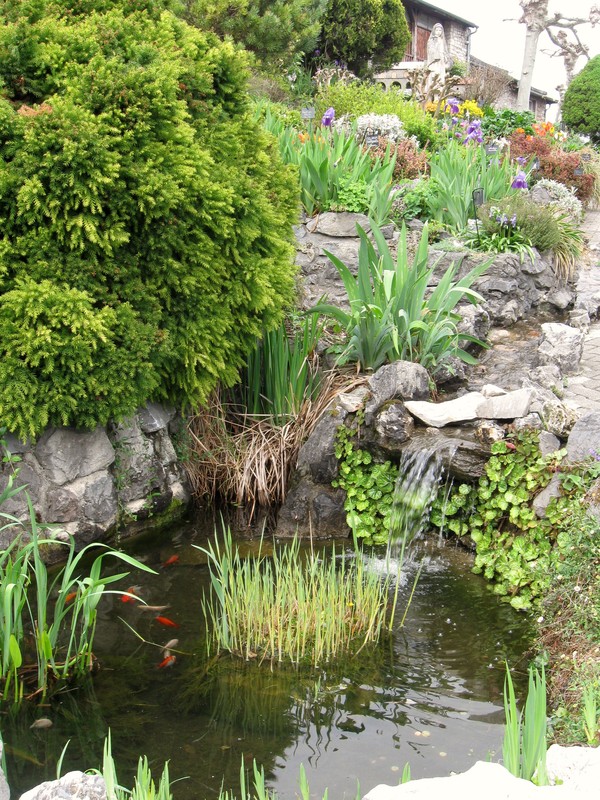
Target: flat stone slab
(439,414)
(511,405)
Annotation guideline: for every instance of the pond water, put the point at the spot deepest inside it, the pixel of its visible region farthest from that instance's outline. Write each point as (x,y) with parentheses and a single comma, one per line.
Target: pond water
(431,695)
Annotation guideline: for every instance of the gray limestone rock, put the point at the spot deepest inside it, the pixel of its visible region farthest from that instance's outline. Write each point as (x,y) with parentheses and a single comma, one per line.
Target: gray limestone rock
(542,499)
(561,345)
(548,376)
(338,224)
(154,417)
(548,443)
(66,454)
(135,469)
(556,417)
(72,786)
(317,454)
(584,439)
(531,422)
(314,507)
(393,425)
(560,297)
(401,380)
(4,790)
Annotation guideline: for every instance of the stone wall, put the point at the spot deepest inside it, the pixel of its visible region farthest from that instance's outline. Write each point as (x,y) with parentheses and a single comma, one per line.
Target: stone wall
(512,288)
(89,483)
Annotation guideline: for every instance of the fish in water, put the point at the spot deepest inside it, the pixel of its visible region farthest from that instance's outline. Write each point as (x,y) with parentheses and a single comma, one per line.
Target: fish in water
(168,623)
(171,560)
(167,661)
(70,597)
(143,607)
(127,597)
(41,724)
(171,643)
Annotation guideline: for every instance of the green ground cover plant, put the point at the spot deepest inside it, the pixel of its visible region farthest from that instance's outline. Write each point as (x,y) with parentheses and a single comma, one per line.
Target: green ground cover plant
(137,185)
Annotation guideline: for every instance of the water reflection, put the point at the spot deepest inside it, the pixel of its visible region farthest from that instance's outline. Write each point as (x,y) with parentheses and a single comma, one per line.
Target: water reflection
(430,693)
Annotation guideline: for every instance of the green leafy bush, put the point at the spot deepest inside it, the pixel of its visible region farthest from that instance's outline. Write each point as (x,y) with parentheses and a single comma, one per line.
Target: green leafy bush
(513,548)
(496,124)
(133,171)
(368,35)
(369,487)
(66,362)
(581,106)
(360,97)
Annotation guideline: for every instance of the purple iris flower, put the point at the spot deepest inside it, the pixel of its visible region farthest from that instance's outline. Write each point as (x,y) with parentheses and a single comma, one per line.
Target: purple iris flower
(474,132)
(520,181)
(513,220)
(452,105)
(521,161)
(328,117)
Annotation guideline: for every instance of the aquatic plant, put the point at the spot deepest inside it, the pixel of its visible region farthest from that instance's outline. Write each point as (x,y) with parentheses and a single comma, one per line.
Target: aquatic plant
(393,315)
(47,624)
(281,373)
(525,734)
(291,607)
(144,787)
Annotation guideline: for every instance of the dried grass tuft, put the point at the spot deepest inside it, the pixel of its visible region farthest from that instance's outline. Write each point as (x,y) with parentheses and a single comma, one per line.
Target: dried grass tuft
(246,460)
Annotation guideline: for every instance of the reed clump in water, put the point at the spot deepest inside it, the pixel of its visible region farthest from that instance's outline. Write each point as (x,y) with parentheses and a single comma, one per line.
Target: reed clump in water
(242,446)
(292,607)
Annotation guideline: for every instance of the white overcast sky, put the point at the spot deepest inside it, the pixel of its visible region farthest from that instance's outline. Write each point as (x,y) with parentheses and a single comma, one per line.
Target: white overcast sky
(501,42)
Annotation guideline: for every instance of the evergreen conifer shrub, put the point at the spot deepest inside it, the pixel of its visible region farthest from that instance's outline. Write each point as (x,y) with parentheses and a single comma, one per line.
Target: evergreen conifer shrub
(581,106)
(134,182)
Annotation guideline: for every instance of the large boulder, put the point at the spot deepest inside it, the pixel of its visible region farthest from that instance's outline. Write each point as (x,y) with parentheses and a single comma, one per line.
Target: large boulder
(72,786)
(561,345)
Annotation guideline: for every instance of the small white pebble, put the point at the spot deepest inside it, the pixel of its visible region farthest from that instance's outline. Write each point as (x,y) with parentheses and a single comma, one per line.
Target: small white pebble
(395,769)
(443,754)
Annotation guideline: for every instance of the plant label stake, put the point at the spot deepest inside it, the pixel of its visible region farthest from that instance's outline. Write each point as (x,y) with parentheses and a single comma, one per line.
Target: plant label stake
(478,200)
(372,140)
(308,112)
(535,164)
(491,149)
(578,171)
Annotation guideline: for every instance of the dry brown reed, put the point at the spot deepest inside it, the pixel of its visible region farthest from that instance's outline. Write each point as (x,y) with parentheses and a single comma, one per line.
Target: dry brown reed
(247,460)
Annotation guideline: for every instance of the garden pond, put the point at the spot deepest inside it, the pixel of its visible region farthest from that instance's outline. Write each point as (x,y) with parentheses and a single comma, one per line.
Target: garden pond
(430,694)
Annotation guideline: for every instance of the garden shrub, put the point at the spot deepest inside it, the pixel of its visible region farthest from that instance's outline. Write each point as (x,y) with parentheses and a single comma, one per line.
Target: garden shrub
(562,198)
(555,163)
(581,106)
(359,97)
(411,161)
(504,123)
(134,173)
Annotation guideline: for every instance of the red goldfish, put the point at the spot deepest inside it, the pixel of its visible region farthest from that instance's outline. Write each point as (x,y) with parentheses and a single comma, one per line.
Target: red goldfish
(70,597)
(171,560)
(168,623)
(126,598)
(167,661)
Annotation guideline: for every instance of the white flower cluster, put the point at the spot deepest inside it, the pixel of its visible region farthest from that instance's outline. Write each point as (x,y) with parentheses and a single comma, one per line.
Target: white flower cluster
(563,198)
(388,126)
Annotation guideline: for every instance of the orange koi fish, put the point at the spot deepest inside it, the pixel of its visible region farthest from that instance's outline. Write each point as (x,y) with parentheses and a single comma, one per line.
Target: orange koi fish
(171,560)
(167,661)
(70,597)
(168,623)
(126,598)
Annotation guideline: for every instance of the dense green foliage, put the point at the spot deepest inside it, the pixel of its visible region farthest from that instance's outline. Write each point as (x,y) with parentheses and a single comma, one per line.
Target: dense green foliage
(276,31)
(515,549)
(367,35)
(336,173)
(369,487)
(136,182)
(361,97)
(581,106)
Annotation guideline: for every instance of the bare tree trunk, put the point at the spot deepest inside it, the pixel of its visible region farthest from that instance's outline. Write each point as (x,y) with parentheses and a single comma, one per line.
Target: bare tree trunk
(535,13)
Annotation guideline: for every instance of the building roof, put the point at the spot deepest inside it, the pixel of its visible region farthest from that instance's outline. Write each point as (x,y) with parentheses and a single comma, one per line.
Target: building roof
(443,13)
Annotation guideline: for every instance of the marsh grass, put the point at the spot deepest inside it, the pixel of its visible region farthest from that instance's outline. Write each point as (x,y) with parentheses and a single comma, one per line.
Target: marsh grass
(144,787)
(47,624)
(295,607)
(525,734)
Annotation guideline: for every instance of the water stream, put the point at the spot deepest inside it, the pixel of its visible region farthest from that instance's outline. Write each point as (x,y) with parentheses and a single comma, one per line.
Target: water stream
(431,695)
